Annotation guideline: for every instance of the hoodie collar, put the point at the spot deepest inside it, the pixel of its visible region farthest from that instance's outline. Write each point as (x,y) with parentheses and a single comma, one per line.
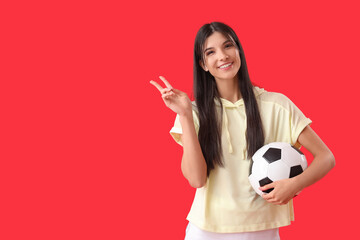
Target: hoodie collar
(228,104)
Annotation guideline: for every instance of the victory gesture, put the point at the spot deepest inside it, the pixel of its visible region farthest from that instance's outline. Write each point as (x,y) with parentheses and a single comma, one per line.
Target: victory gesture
(174,99)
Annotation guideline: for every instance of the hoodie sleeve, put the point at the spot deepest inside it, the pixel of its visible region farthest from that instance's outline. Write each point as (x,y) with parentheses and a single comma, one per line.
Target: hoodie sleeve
(298,122)
(283,121)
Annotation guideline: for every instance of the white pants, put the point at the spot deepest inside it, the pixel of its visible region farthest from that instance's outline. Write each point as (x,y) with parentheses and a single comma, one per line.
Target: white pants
(195,233)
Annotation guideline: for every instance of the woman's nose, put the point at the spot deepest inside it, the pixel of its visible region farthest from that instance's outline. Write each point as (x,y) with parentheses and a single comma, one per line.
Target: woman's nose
(223,55)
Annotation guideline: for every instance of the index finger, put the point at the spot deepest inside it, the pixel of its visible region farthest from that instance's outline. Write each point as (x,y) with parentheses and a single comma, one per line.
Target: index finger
(156,85)
(168,85)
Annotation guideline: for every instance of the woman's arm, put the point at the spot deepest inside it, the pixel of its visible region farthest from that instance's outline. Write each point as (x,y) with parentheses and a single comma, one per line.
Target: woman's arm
(193,165)
(323,162)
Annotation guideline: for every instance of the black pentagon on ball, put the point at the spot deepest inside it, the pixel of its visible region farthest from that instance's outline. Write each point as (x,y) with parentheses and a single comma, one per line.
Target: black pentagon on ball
(251,164)
(295,170)
(298,150)
(272,155)
(265,181)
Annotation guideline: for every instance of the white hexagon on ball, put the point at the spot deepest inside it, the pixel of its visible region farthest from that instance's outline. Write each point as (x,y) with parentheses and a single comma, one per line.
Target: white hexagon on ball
(278,170)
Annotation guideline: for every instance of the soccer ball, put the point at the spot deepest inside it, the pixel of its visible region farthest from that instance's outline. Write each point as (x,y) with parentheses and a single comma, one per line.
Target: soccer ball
(275,161)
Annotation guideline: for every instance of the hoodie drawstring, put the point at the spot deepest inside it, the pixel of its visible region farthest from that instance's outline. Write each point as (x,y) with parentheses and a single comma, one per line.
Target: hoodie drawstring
(227,129)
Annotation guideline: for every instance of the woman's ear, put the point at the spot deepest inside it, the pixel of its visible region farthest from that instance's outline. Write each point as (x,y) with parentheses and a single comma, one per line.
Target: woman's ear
(203,66)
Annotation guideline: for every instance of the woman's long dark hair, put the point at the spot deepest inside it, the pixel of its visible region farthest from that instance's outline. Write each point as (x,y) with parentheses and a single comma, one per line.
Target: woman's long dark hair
(205,91)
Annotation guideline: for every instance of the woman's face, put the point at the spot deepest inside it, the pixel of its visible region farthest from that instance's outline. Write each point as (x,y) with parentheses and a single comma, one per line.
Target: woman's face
(221,57)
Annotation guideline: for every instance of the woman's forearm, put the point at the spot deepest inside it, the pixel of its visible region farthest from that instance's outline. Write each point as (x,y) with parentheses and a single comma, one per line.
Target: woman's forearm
(193,165)
(323,160)
(319,167)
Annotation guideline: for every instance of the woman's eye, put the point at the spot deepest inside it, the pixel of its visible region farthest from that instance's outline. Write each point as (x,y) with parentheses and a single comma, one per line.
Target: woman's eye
(209,52)
(228,45)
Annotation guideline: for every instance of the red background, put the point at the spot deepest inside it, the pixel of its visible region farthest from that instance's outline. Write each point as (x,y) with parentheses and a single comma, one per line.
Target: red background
(85,146)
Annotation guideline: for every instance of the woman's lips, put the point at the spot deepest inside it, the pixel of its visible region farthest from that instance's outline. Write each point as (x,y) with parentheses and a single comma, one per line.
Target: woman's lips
(226,66)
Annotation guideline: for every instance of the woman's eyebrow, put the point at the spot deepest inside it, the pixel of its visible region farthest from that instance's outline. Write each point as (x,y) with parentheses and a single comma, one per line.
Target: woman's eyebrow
(207,49)
(227,41)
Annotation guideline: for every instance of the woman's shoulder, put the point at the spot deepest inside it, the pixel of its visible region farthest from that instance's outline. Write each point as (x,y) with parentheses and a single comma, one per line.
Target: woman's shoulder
(272,97)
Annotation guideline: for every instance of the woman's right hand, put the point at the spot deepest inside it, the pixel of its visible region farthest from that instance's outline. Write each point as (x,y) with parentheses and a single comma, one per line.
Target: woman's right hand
(174,99)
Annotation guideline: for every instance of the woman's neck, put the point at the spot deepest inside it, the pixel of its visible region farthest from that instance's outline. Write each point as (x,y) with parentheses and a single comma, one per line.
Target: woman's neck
(229,90)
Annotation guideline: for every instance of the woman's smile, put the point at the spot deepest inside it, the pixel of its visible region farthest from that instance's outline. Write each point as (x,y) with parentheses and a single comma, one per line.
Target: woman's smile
(226,66)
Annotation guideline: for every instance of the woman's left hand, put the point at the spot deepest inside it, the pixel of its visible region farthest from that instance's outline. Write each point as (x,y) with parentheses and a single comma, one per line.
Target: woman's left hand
(284,190)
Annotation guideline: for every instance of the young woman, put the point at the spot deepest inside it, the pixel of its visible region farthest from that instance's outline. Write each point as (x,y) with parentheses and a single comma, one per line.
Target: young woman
(227,123)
